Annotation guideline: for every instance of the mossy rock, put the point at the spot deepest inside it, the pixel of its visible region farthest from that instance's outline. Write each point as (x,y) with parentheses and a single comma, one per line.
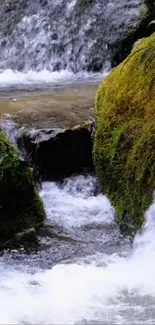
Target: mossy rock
(124,145)
(20,205)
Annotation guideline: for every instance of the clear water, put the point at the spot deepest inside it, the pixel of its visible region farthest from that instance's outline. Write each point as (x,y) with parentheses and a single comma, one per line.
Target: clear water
(90,274)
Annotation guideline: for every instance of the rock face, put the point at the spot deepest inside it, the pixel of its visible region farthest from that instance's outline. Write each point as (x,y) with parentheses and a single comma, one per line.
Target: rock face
(20,205)
(33,38)
(57,153)
(124,142)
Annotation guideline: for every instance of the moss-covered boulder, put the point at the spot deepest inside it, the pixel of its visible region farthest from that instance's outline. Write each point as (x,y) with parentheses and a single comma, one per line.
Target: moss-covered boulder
(124,148)
(20,205)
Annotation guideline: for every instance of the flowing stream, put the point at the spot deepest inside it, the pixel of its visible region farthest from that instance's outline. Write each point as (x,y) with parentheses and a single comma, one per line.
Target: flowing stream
(83,271)
(86,274)
(35,48)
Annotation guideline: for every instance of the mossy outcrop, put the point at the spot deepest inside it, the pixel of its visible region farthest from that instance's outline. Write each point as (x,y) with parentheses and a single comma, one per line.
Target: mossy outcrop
(20,205)
(124,148)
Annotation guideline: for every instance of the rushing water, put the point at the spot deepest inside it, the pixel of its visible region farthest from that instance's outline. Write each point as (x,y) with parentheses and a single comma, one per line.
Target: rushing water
(90,274)
(10,79)
(35,48)
(84,271)
(32,37)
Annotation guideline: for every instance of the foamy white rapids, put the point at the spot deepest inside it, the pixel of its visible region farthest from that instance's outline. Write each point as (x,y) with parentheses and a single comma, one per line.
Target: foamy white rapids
(99,289)
(74,204)
(10,78)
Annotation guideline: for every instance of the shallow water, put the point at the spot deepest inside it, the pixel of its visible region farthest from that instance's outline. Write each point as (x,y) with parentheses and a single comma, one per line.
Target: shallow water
(85,271)
(47,99)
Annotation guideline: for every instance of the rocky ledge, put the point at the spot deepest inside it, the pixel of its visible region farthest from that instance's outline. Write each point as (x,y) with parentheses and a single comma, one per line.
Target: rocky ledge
(53,131)
(57,153)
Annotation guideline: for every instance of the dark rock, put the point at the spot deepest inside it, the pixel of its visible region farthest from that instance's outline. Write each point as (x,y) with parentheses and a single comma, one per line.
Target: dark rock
(151,28)
(27,239)
(54,36)
(28,236)
(95,65)
(57,153)
(1,160)
(127,226)
(20,205)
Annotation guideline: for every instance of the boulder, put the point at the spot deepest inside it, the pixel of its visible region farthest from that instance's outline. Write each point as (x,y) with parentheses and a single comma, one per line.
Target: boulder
(20,205)
(124,143)
(57,153)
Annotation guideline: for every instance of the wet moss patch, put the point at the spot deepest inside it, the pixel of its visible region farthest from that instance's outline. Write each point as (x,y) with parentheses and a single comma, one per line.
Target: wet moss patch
(124,148)
(20,205)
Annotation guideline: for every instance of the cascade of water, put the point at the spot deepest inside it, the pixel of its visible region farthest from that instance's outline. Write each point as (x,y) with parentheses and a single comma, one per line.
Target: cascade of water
(99,288)
(65,35)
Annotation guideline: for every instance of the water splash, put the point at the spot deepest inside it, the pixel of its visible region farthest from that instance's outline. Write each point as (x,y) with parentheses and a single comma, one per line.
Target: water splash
(78,205)
(85,40)
(96,289)
(43,79)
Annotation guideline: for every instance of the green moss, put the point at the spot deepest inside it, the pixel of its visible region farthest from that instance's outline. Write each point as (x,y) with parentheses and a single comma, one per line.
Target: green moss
(124,143)
(20,204)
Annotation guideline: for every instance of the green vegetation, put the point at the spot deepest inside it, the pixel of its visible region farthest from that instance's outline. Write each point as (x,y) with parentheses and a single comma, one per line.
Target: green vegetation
(124,145)
(20,204)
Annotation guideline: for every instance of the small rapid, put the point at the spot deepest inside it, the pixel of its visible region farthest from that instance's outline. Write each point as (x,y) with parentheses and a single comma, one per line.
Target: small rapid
(99,277)
(33,80)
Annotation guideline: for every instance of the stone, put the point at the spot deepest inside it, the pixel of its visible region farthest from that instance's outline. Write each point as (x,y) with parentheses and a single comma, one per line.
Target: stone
(21,207)
(124,153)
(57,153)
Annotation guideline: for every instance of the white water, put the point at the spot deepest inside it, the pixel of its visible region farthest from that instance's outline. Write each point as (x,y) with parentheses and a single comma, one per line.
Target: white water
(9,77)
(17,79)
(102,288)
(78,204)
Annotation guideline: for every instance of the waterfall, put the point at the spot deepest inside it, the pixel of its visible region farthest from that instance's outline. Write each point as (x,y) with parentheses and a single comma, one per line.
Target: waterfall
(65,36)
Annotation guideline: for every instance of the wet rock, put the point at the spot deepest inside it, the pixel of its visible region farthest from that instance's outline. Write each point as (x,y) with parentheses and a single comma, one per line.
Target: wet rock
(151,28)
(27,239)
(51,232)
(28,235)
(20,204)
(57,153)
(124,139)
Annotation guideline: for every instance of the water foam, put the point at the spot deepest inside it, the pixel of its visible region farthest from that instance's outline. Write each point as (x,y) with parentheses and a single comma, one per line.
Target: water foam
(96,289)
(10,78)
(78,204)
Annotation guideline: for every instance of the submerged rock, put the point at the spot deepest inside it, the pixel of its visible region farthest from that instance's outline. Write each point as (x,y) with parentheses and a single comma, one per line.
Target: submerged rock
(124,153)
(57,153)
(20,205)
(25,239)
